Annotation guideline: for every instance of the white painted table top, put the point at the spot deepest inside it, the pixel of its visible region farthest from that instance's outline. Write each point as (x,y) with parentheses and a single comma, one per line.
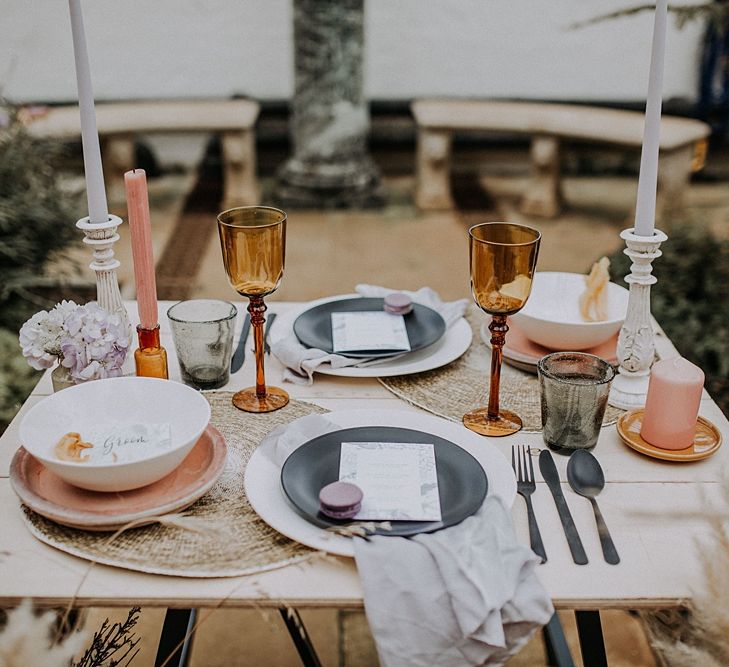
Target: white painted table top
(659,556)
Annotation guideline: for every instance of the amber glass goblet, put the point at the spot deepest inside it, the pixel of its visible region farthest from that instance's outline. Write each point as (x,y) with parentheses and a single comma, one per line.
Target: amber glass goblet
(253,241)
(503,257)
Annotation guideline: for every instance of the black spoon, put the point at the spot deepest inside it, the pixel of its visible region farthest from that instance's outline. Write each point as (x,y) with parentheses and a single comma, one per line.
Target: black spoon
(586,478)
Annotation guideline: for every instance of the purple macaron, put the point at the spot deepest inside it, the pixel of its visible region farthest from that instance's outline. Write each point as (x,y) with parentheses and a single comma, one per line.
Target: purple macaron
(398,303)
(340,500)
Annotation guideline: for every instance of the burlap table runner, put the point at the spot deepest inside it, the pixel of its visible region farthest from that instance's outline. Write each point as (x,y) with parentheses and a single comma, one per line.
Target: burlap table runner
(218,536)
(462,385)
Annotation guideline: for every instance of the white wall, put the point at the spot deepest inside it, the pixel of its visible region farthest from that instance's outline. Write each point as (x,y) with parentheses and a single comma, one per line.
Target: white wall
(202,48)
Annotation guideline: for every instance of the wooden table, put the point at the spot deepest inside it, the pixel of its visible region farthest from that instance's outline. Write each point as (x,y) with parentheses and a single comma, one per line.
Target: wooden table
(659,565)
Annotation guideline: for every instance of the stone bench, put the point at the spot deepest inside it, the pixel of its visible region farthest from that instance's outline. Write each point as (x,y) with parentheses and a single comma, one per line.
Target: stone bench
(119,122)
(682,145)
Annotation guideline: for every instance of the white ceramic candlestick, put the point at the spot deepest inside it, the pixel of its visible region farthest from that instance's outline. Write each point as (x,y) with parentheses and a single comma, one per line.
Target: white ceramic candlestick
(101,237)
(636,343)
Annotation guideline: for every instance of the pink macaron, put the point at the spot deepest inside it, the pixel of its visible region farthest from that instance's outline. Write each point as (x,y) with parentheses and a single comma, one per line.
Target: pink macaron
(398,303)
(340,500)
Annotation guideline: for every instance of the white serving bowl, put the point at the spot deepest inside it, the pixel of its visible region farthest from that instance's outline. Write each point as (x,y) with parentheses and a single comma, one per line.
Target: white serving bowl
(551,316)
(124,400)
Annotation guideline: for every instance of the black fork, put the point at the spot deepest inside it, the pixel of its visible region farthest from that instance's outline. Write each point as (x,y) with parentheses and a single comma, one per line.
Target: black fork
(525,486)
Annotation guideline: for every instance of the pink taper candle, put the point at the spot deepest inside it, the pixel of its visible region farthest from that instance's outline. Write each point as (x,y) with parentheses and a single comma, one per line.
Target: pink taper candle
(141,231)
(672,404)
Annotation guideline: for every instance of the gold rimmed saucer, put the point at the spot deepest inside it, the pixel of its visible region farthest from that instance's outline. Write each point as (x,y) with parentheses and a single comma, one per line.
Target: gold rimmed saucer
(706,441)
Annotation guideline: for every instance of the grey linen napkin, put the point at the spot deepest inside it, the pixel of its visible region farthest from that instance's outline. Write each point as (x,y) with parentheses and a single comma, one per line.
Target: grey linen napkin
(463,596)
(301,362)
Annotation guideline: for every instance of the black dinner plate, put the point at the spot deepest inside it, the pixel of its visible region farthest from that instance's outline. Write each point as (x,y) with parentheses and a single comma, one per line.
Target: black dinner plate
(313,327)
(462,482)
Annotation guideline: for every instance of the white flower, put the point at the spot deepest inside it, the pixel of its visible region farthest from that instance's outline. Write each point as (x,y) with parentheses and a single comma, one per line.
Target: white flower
(86,339)
(40,337)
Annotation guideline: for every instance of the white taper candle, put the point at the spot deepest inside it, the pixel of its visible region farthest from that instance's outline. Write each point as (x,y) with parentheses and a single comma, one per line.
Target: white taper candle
(645,209)
(98,211)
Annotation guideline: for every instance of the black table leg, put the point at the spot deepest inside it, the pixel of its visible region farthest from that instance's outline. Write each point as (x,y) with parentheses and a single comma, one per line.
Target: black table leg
(592,644)
(300,637)
(175,641)
(558,653)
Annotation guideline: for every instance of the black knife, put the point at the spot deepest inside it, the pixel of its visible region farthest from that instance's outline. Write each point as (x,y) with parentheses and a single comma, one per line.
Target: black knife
(551,477)
(239,356)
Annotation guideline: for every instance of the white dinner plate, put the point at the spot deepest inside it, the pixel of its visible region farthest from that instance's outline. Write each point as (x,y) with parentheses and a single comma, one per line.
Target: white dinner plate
(263,476)
(454,343)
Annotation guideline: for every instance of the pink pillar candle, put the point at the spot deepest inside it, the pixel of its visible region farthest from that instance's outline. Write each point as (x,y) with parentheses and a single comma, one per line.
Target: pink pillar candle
(672,404)
(141,231)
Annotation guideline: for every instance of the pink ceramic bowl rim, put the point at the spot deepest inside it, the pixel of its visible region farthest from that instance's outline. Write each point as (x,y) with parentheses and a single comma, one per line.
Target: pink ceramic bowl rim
(161,504)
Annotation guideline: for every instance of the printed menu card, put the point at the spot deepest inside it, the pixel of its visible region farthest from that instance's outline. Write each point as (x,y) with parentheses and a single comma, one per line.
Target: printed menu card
(369,330)
(398,479)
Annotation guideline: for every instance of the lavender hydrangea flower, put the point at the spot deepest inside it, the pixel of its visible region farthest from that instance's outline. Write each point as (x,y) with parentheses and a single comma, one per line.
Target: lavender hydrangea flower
(90,342)
(95,344)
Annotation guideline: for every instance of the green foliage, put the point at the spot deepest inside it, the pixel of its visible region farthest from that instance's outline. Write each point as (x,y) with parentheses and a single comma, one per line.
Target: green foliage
(714,11)
(36,220)
(691,300)
(17,379)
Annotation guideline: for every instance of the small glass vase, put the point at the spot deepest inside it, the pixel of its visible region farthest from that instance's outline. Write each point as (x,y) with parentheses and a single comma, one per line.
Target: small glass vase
(61,378)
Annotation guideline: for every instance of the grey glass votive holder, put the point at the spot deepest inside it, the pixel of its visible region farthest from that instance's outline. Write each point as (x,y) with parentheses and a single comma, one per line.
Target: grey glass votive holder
(574,388)
(202,330)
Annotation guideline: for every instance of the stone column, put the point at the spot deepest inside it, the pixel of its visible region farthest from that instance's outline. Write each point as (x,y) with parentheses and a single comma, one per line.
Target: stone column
(330,167)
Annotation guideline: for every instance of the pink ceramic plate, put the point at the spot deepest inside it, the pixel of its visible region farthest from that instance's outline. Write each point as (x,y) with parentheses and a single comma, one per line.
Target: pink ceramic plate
(46,493)
(523,353)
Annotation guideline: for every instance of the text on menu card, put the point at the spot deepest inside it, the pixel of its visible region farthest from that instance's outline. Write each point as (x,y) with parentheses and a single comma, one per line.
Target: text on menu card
(369,330)
(399,480)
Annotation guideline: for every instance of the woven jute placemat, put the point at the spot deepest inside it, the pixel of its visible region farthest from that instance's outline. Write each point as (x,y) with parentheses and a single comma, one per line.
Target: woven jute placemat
(462,385)
(218,536)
